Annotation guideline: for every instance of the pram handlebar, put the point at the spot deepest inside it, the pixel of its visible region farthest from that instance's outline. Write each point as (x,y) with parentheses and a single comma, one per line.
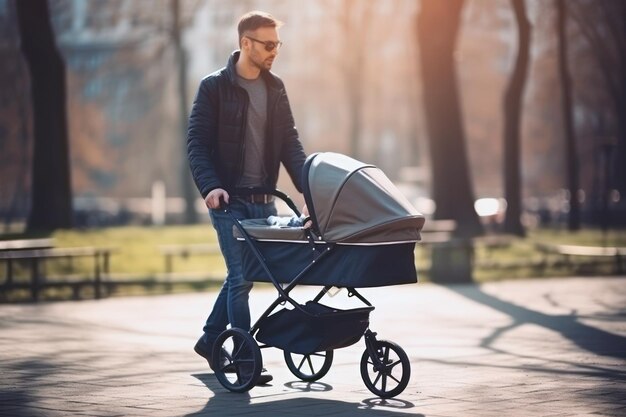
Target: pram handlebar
(274,192)
(287,200)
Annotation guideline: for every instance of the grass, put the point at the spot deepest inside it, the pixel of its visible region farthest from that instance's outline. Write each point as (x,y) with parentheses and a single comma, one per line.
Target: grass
(138,257)
(522,260)
(138,248)
(519,258)
(137,261)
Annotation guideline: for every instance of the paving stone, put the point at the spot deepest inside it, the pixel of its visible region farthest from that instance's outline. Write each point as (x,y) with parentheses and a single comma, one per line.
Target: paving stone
(545,347)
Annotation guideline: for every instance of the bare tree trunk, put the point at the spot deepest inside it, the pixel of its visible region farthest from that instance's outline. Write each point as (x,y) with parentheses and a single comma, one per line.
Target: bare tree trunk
(512,116)
(51,191)
(438,25)
(354,18)
(603,26)
(21,175)
(568,128)
(186,181)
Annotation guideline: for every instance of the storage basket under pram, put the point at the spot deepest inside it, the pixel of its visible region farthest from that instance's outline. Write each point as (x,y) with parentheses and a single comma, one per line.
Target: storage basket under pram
(363,234)
(323,328)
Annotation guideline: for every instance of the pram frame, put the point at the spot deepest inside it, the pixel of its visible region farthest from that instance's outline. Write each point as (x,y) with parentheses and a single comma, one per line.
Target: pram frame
(284,292)
(375,358)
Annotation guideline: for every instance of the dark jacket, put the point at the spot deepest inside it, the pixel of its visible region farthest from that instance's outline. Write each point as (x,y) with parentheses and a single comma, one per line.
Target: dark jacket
(216,132)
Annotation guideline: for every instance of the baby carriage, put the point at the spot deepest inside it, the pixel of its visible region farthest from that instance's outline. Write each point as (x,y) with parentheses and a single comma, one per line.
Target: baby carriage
(363,234)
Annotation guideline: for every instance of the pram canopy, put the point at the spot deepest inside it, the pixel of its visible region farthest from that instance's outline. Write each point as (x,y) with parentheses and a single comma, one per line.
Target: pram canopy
(353,202)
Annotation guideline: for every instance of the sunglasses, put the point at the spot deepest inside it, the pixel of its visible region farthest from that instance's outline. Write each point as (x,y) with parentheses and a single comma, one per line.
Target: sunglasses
(269,45)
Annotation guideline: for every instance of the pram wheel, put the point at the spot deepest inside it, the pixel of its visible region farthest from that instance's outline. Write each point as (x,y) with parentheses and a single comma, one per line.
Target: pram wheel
(386,375)
(309,367)
(236,347)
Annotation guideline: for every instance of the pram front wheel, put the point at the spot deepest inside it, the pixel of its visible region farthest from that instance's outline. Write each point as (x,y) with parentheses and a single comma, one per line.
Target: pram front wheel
(387,374)
(236,348)
(309,367)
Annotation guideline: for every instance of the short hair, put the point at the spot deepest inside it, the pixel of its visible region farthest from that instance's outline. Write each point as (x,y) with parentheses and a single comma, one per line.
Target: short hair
(251,21)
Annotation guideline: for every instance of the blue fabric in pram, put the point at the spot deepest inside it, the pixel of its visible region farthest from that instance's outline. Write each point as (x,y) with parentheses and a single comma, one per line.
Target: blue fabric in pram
(259,229)
(293,221)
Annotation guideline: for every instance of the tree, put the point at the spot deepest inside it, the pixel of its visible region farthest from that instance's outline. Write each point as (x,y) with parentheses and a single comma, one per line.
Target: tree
(51,206)
(573,222)
(438,25)
(188,189)
(355,16)
(15,123)
(512,115)
(601,45)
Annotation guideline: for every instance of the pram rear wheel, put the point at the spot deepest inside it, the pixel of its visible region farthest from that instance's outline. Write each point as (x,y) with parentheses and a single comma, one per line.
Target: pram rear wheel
(236,348)
(309,367)
(386,375)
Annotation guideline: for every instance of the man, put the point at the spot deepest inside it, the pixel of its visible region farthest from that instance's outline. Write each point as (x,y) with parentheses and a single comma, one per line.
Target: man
(240,129)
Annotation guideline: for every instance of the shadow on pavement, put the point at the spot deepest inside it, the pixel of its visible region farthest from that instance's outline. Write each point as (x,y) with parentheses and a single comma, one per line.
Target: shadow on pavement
(17,389)
(15,403)
(225,403)
(589,338)
(606,376)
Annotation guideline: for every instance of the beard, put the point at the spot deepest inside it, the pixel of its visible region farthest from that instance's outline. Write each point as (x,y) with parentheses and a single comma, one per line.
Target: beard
(265,64)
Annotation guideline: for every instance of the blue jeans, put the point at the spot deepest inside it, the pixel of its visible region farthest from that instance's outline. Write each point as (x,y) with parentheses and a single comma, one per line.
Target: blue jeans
(231,306)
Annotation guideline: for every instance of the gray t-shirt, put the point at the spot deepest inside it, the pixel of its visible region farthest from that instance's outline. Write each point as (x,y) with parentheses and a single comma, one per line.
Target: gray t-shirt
(254,174)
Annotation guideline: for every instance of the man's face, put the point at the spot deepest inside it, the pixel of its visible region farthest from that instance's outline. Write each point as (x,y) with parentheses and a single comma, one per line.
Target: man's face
(255,45)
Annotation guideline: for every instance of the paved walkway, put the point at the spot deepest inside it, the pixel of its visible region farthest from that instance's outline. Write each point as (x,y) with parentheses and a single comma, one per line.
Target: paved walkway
(519,348)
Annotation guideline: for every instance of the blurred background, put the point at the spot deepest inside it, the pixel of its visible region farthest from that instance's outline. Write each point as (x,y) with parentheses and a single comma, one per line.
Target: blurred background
(358,84)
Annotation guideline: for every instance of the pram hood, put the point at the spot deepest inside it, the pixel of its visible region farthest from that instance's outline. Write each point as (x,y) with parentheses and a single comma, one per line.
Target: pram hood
(353,202)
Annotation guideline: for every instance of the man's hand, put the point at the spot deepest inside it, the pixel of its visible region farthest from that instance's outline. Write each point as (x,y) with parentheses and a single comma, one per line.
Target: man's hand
(305,213)
(212,200)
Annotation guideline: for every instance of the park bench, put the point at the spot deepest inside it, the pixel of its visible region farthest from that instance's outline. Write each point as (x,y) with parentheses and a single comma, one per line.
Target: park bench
(567,252)
(35,255)
(21,245)
(25,244)
(170,252)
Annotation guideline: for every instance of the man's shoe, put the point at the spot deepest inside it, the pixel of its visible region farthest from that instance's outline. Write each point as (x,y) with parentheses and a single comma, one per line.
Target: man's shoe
(263,379)
(205,349)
